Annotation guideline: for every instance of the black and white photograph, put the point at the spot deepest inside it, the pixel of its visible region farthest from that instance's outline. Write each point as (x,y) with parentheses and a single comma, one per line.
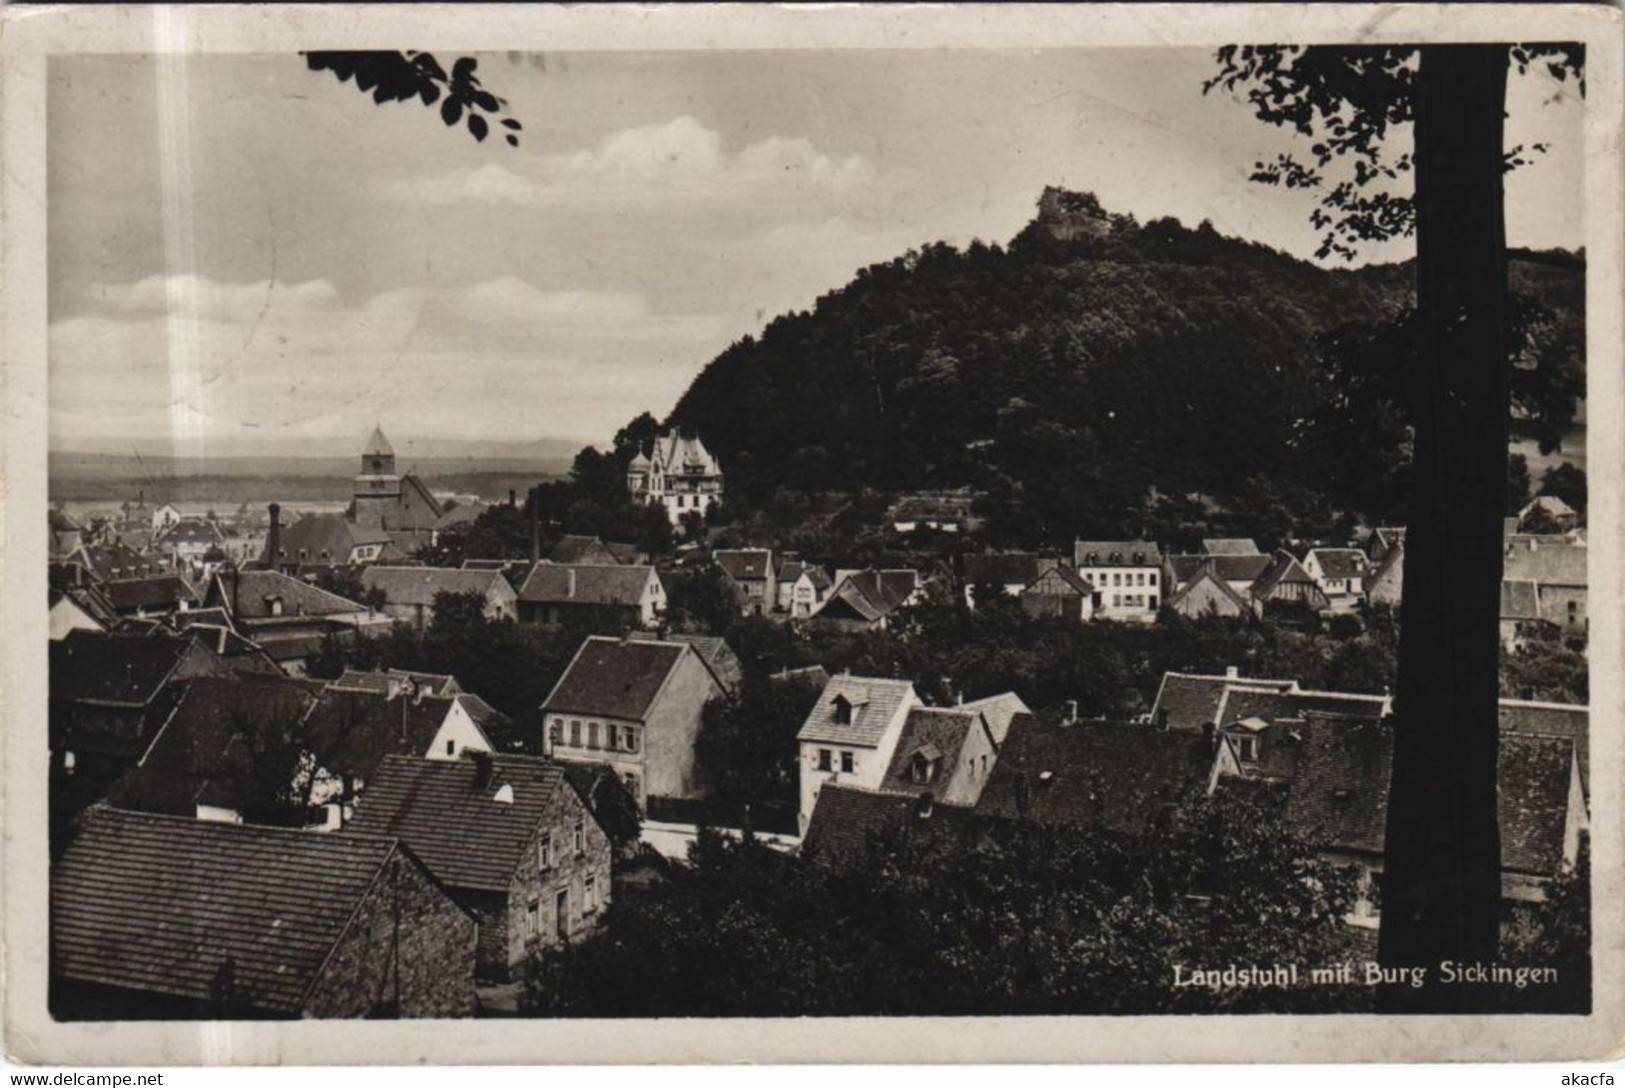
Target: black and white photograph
(672,527)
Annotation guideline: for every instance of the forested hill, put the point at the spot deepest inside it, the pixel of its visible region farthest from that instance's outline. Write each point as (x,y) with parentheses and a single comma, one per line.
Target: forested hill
(1090,359)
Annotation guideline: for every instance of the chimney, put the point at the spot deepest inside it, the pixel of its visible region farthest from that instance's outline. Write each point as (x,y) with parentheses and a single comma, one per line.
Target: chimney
(273,538)
(1230,672)
(513,499)
(535,529)
(570,576)
(482,769)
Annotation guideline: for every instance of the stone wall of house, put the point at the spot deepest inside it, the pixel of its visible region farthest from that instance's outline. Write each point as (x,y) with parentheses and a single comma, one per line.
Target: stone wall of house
(490,913)
(534,886)
(409,951)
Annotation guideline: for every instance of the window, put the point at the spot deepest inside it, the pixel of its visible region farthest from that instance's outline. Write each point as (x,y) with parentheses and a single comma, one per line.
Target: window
(614,741)
(847,763)
(922,770)
(561,912)
(555,731)
(590,895)
(592,734)
(533,919)
(581,838)
(631,781)
(451,747)
(1153,582)
(1151,601)
(631,738)
(843,710)
(1247,748)
(575,733)
(825,760)
(544,852)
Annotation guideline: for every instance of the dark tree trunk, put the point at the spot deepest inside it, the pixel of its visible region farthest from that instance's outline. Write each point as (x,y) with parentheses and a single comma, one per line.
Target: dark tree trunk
(1441,886)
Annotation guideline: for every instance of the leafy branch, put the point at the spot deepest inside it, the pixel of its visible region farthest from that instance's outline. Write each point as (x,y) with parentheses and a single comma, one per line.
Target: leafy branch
(401,77)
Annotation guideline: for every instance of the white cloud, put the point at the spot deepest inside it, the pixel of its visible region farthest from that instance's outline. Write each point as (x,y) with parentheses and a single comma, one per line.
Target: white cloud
(680,162)
(185,294)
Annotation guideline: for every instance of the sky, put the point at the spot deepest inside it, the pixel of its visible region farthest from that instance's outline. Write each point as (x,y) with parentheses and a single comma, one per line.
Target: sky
(247,257)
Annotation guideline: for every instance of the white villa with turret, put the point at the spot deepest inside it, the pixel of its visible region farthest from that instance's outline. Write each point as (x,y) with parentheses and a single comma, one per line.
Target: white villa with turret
(679,473)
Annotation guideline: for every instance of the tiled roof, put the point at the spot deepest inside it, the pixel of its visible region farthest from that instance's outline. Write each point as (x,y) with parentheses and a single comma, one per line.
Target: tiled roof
(1219,586)
(999,711)
(1230,546)
(558,583)
(1192,700)
(382,681)
(845,820)
(256,589)
(192,531)
(614,678)
(92,667)
(452,821)
(1341,562)
(676,453)
(117,561)
(744,564)
(1004,568)
(1284,569)
(161,904)
(350,732)
(1548,504)
(874,703)
(1116,553)
(161,591)
(418,585)
(1547,564)
(1060,580)
(791,572)
(1552,719)
(1116,777)
(208,749)
(583,550)
(936,733)
(1231,568)
(874,594)
(714,650)
(324,539)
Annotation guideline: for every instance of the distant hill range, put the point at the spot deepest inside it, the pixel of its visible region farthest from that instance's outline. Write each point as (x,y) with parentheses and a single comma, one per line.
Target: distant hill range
(1093,356)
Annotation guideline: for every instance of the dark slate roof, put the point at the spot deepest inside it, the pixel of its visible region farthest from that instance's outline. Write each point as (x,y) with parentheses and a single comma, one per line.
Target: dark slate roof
(551,583)
(256,588)
(744,564)
(1341,562)
(1003,568)
(205,750)
(92,667)
(874,594)
(159,904)
(325,538)
(1338,796)
(451,821)
(1552,719)
(582,549)
(1095,775)
(936,733)
(1230,546)
(1116,553)
(1192,701)
(1547,564)
(845,820)
(418,585)
(351,732)
(614,678)
(714,650)
(875,702)
(160,591)
(1230,568)
(117,561)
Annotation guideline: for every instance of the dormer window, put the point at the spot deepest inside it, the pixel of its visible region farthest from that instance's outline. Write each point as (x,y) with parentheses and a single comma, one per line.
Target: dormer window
(273,605)
(843,710)
(1247,748)
(922,770)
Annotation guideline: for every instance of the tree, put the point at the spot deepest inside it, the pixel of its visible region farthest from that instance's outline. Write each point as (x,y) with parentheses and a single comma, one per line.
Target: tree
(746,749)
(401,77)
(1442,867)
(1517,481)
(1566,481)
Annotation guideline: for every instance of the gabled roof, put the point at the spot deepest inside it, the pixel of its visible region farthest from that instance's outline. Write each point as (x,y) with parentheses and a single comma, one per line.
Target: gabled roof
(614,678)
(192,531)
(89,666)
(1284,569)
(792,571)
(208,748)
(1216,584)
(874,703)
(676,453)
(1555,720)
(255,589)
(1059,580)
(1192,700)
(1547,564)
(845,820)
(1095,775)
(1341,562)
(1547,504)
(1230,568)
(105,561)
(350,732)
(874,594)
(998,710)
(585,583)
(714,650)
(744,564)
(325,539)
(582,549)
(1391,566)
(383,681)
(161,904)
(418,585)
(1230,546)
(1116,553)
(90,600)
(937,734)
(159,591)
(453,821)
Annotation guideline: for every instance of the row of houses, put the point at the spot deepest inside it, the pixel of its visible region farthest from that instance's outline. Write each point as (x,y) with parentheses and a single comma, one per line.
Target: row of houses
(1324,757)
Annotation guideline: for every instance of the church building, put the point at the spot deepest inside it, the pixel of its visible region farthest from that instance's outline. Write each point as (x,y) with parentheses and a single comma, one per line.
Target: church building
(400,505)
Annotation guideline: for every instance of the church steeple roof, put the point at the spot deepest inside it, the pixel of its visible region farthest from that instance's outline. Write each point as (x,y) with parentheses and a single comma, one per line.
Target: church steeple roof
(378,445)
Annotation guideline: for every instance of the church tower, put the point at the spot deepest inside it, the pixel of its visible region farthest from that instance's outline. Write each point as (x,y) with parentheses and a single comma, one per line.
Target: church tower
(377,488)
